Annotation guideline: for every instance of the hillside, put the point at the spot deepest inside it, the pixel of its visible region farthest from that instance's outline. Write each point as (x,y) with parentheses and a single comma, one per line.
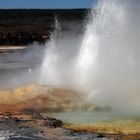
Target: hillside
(24,26)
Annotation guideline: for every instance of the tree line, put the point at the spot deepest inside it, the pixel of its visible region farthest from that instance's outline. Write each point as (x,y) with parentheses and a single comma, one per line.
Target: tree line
(20,38)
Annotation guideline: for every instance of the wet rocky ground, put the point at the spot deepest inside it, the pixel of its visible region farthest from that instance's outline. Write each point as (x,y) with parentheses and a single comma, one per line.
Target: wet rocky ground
(33,126)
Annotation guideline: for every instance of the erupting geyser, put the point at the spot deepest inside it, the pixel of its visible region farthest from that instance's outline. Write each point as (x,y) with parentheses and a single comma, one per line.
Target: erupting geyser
(106,65)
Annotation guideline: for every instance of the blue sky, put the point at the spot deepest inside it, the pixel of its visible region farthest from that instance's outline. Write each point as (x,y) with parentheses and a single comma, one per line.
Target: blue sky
(7,4)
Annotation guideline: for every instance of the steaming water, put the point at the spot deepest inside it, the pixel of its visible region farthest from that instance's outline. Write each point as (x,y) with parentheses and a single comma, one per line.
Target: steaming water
(105,64)
(20,67)
(87,117)
(108,59)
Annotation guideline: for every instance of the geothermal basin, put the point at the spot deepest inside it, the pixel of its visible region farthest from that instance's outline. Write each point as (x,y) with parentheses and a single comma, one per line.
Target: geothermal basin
(89,80)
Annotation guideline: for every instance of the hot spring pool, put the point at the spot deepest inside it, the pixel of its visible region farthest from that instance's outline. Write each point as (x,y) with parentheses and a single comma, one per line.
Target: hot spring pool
(100,121)
(88,117)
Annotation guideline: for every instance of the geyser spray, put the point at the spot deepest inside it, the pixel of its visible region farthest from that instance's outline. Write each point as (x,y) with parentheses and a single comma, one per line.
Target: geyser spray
(104,61)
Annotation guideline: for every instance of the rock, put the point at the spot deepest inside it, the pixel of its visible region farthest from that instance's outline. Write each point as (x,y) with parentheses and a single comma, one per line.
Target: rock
(37,115)
(18,125)
(100,136)
(52,122)
(85,135)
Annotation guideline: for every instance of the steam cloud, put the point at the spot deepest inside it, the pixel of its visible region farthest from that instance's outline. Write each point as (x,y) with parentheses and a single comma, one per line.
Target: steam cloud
(104,62)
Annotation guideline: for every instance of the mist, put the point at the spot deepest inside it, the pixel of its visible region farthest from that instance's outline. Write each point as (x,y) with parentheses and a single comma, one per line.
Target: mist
(24,67)
(103,61)
(21,67)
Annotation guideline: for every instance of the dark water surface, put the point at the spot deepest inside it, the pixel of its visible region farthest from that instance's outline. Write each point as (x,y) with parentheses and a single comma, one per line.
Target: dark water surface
(20,67)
